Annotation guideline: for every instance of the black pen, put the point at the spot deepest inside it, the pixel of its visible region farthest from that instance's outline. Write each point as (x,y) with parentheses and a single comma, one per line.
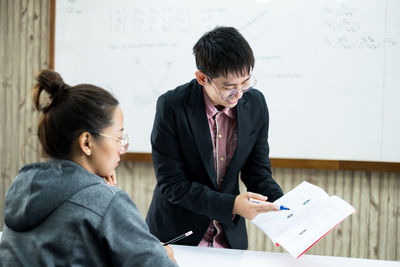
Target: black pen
(176,239)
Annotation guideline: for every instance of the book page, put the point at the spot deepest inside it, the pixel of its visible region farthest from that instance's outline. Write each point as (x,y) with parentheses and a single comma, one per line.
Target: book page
(312,214)
(298,200)
(313,225)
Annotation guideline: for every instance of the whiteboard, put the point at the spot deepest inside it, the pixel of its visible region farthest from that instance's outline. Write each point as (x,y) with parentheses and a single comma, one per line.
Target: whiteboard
(329,70)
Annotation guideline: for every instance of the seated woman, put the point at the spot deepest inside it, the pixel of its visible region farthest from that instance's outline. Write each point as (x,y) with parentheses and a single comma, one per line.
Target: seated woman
(65,212)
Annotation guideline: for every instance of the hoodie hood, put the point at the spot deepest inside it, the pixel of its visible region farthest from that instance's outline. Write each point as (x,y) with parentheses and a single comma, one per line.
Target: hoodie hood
(40,188)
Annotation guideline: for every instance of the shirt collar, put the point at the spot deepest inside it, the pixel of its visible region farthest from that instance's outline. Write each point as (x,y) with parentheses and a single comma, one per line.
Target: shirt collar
(211,110)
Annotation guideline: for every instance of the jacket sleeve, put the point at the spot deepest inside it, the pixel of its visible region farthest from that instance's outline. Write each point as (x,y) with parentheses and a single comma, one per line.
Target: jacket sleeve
(127,238)
(256,173)
(169,166)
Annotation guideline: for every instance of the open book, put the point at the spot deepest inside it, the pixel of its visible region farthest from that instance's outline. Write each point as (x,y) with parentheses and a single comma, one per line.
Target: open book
(313,213)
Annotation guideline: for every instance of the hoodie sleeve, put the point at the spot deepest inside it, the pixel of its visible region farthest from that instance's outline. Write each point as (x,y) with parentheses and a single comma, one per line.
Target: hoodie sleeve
(127,237)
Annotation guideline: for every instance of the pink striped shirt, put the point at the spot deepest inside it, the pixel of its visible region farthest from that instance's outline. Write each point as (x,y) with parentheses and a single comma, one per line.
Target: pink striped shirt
(223,129)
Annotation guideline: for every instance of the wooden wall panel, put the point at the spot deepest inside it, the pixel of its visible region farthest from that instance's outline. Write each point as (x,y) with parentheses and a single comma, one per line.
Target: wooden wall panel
(373,232)
(24,36)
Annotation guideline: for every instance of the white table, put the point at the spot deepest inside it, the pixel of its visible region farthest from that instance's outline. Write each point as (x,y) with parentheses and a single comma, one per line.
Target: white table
(188,256)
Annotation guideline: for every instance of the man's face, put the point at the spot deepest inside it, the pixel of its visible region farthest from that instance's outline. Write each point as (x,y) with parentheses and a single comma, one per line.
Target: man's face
(226,90)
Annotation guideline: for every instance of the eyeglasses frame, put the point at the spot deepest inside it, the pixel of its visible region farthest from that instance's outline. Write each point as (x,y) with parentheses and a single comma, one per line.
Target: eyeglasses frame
(124,141)
(232,92)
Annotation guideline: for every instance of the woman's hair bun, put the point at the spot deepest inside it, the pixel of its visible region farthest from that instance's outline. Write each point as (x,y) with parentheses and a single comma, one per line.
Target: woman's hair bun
(51,82)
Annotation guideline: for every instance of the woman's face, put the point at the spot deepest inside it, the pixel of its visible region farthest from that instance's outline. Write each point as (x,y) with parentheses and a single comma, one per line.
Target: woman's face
(106,150)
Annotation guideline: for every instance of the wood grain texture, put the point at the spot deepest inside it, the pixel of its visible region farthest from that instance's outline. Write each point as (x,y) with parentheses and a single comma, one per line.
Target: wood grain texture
(305,163)
(24,34)
(369,233)
(373,232)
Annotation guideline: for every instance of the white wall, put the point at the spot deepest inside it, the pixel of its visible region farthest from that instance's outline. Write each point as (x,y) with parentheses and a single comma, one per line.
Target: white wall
(328,69)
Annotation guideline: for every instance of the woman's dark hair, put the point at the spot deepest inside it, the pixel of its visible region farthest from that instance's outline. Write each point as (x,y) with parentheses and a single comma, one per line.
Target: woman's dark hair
(222,51)
(69,111)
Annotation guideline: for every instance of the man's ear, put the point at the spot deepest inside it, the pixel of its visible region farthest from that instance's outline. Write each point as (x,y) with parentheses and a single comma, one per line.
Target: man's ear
(85,143)
(201,78)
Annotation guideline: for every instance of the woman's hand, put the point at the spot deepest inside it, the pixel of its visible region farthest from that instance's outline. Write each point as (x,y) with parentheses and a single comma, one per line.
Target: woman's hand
(111,179)
(170,253)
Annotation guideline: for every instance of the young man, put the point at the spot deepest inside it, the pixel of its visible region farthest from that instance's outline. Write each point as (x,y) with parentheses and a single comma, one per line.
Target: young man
(205,132)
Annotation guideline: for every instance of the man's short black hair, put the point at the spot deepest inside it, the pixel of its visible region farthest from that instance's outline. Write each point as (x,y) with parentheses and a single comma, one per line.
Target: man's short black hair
(223,50)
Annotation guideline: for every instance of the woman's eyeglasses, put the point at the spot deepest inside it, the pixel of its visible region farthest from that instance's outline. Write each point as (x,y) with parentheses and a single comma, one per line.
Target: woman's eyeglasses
(124,141)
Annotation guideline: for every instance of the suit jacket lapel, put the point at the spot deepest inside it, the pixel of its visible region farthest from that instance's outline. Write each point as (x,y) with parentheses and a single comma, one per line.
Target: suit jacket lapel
(243,132)
(196,113)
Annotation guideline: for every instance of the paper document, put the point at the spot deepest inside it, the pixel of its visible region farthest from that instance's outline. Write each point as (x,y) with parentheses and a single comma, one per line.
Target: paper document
(313,213)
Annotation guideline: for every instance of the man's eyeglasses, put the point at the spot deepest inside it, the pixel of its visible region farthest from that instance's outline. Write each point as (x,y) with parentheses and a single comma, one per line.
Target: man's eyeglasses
(249,84)
(124,141)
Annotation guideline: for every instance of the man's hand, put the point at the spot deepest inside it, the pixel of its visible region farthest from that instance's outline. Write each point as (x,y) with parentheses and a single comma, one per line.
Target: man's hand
(249,210)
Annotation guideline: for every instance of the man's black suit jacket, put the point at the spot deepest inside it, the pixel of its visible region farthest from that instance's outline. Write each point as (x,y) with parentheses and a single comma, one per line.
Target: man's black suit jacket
(186,195)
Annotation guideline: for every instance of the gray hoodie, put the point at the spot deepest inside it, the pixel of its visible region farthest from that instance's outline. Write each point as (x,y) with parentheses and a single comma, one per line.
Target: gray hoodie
(59,214)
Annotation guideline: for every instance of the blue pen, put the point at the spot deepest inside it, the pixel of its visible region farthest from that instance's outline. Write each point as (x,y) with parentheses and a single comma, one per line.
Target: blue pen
(281,207)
